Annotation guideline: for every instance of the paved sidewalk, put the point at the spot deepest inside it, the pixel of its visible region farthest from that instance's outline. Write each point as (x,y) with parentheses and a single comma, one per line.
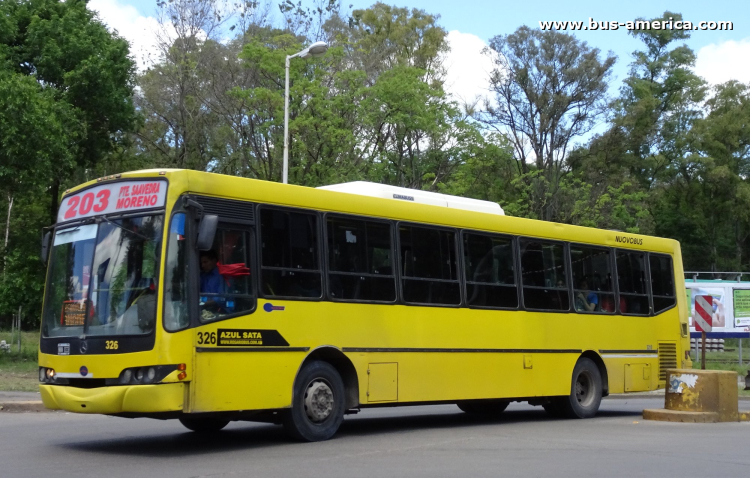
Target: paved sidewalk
(21,402)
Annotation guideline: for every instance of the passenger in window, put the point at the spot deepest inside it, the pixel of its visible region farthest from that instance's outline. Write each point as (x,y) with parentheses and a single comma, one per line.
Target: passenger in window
(586,300)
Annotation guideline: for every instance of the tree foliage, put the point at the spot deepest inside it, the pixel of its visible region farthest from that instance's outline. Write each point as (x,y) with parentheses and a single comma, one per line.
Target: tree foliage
(549,88)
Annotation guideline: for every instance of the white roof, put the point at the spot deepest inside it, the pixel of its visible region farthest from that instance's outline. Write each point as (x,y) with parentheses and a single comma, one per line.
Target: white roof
(364,188)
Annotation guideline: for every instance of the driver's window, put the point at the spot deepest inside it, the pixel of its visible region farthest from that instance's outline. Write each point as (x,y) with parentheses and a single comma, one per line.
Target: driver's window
(175,272)
(225,276)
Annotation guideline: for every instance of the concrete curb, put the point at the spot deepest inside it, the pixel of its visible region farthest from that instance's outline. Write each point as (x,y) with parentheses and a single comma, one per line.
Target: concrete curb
(23,407)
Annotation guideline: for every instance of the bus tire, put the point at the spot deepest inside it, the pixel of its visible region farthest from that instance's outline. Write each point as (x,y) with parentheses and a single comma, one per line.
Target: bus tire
(203,425)
(585,391)
(484,407)
(318,403)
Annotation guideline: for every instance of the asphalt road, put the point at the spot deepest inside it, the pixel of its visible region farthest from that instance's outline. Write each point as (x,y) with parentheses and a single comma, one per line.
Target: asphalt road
(436,441)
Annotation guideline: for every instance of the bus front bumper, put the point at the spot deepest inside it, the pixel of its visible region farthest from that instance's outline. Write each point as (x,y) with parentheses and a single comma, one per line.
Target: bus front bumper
(168,397)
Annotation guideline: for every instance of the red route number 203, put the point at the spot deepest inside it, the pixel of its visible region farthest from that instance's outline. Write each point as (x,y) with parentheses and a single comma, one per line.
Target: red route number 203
(87,204)
(113,198)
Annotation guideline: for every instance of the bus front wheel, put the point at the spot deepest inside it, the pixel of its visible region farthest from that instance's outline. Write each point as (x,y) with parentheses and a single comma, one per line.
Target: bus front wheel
(317,403)
(585,391)
(203,425)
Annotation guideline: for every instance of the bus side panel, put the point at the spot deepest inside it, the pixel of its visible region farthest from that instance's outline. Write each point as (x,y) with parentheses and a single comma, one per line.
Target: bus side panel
(465,376)
(227,381)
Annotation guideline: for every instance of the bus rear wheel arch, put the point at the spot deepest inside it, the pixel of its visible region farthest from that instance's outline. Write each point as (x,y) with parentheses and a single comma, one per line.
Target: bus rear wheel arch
(585,392)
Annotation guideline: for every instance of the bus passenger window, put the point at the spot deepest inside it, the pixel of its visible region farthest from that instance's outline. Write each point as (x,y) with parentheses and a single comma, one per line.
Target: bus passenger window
(225,275)
(430,266)
(489,271)
(360,260)
(543,275)
(289,254)
(593,290)
(662,282)
(631,279)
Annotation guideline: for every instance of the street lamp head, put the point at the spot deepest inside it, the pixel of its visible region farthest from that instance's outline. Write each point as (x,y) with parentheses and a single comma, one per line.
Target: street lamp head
(318,48)
(315,50)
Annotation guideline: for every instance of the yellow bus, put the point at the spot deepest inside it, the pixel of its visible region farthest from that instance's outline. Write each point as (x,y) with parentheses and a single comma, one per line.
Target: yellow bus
(210,298)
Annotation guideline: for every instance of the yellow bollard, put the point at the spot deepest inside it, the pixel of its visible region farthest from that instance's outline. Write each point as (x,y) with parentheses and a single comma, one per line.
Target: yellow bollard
(699,396)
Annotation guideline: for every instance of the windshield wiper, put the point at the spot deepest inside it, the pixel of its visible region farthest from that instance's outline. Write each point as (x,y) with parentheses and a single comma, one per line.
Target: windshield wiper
(126,229)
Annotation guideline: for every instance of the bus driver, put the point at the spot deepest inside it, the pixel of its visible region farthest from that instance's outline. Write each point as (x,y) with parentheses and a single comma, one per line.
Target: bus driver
(211,280)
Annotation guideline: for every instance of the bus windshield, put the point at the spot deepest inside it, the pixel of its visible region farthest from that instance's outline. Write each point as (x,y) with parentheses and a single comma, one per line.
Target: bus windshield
(103,278)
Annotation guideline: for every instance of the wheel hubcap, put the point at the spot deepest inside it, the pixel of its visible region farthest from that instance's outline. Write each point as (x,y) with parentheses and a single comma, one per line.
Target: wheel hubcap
(318,401)
(584,389)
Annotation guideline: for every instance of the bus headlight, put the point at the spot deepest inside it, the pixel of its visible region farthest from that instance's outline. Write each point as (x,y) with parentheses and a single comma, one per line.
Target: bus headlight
(46,375)
(126,376)
(142,375)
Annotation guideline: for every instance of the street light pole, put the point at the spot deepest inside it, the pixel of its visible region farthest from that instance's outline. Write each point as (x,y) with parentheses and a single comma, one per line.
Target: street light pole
(285,174)
(316,49)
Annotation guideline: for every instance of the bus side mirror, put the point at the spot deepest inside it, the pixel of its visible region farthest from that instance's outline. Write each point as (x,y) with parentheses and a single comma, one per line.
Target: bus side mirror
(45,246)
(207,231)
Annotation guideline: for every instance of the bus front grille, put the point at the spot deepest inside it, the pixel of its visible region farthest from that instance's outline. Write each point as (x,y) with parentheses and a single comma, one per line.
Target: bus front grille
(667,358)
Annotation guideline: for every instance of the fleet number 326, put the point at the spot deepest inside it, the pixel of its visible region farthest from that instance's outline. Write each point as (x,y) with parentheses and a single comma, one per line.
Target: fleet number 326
(206,338)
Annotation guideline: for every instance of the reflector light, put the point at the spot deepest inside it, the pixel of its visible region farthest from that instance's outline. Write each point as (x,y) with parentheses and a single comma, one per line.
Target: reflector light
(181,367)
(181,376)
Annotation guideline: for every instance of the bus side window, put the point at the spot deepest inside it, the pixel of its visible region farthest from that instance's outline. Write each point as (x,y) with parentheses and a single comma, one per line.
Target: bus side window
(662,282)
(592,279)
(543,275)
(430,265)
(631,278)
(360,260)
(289,254)
(489,271)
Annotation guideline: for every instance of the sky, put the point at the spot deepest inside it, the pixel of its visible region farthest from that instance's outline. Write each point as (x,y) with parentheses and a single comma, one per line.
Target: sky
(721,55)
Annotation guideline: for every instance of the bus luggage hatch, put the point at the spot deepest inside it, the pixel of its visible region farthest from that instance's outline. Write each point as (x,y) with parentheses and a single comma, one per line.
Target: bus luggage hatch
(637,377)
(382,385)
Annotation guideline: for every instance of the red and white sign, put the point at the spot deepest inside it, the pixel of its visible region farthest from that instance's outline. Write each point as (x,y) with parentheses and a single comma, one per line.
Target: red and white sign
(113,198)
(704,310)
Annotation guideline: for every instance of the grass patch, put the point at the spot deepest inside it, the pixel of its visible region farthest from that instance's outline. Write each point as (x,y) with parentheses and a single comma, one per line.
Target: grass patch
(19,371)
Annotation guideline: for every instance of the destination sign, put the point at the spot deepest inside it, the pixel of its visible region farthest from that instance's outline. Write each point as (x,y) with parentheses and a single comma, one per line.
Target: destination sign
(113,198)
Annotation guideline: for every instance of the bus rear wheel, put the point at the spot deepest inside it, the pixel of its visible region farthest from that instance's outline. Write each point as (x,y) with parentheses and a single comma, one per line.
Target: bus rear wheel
(203,425)
(585,391)
(317,403)
(484,407)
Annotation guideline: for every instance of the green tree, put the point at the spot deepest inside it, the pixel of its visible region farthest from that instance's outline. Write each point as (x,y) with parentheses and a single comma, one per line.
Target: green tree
(549,88)
(82,71)
(707,204)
